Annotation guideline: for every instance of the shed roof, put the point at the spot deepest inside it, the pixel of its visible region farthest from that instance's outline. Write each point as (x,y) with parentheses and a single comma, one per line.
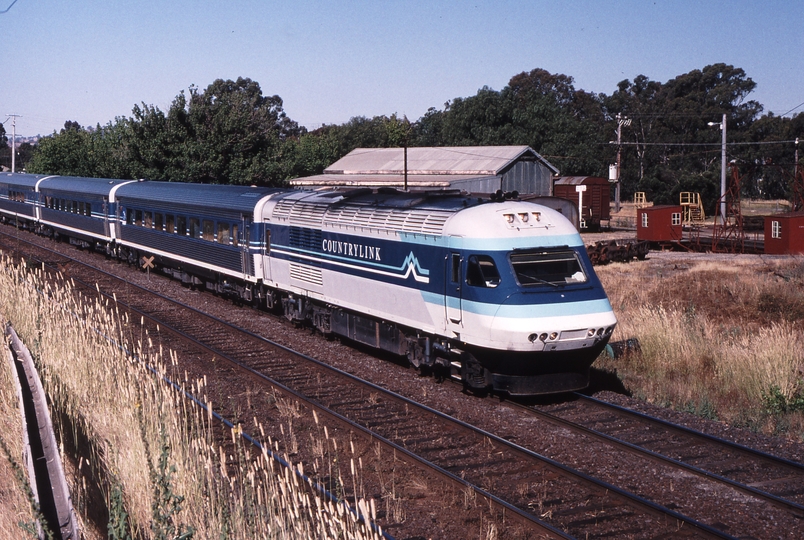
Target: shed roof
(438,181)
(450,160)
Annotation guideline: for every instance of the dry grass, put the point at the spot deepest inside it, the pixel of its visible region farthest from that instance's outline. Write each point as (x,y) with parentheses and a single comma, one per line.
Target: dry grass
(161,473)
(16,513)
(719,336)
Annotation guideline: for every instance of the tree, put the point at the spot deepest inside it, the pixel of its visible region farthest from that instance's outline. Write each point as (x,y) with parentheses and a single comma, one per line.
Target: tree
(235,134)
(5,152)
(66,153)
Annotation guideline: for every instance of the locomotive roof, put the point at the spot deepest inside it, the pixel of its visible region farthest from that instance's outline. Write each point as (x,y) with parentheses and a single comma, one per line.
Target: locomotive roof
(383,209)
(223,196)
(435,213)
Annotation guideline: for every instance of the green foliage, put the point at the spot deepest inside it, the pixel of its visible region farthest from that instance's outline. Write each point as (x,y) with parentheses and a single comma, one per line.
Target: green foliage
(118,528)
(703,408)
(230,133)
(776,403)
(166,505)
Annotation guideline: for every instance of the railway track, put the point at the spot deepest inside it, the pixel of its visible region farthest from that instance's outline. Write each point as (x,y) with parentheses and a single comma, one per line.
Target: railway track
(568,500)
(769,478)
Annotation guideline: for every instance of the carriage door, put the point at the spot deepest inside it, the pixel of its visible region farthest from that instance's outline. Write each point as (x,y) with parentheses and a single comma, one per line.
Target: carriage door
(245,234)
(452,292)
(106,229)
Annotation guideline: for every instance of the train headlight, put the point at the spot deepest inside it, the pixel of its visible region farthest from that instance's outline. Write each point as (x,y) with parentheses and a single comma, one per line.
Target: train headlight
(553,335)
(543,337)
(590,332)
(533,337)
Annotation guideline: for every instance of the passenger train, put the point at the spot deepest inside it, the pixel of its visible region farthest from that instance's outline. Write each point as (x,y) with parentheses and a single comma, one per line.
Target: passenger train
(499,293)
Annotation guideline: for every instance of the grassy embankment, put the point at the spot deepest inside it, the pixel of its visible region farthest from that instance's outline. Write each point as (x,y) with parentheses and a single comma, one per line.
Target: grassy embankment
(159,472)
(720,336)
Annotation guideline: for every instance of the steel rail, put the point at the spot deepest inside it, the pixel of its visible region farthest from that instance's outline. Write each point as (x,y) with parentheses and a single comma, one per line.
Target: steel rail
(794,465)
(795,508)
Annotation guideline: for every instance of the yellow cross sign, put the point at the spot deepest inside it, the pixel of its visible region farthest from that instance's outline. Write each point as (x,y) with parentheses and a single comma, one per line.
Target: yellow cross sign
(147,262)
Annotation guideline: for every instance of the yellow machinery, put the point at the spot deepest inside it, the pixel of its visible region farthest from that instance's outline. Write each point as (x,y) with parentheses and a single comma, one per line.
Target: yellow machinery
(693,211)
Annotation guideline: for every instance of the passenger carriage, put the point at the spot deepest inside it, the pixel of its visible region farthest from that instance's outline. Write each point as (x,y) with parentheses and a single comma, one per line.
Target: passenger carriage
(205,235)
(18,198)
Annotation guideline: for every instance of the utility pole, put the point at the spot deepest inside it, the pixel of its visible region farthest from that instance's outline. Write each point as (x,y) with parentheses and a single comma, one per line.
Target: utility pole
(14,140)
(722,168)
(621,120)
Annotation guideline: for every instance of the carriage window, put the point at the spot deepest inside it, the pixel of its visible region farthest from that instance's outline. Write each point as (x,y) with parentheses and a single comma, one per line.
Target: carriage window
(235,240)
(137,217)
(223,233)
(208,230)
(147,220)
(181,225)
(547,268)
(169,225)
(482,272)
(158,221)
(195,227)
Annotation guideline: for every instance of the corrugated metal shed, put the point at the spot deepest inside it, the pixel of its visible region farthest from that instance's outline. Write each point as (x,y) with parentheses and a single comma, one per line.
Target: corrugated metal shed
(480,169)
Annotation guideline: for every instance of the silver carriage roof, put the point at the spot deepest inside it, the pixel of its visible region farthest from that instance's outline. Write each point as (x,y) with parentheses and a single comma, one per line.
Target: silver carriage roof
(441,213)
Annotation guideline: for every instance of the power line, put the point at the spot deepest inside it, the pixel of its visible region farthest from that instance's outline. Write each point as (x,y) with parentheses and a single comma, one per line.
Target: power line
(793,109)
(698,144)
(9,7)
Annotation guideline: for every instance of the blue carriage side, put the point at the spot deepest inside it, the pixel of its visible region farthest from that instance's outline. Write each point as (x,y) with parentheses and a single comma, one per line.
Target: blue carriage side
(203,234)
(18,197)
(81,209)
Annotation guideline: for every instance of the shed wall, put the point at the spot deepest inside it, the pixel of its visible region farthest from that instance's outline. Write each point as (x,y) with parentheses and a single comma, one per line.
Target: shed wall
(659,224)
(791,237)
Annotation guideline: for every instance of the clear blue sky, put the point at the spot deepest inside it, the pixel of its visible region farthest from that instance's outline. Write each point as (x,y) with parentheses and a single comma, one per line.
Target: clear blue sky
(93,60)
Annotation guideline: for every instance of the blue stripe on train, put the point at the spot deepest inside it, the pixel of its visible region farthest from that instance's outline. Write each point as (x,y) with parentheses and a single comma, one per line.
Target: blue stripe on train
(527,311)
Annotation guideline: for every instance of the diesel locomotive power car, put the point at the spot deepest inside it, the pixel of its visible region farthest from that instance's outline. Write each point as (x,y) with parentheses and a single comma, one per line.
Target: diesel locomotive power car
(499,292)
